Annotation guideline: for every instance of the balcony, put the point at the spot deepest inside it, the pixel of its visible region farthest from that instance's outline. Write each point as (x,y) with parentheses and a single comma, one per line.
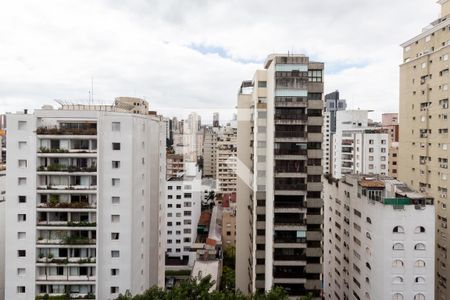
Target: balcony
(68,169)
(82,130)
(290,134)
(290,151)
(49,296)
(50,259)
(66,223)
(67,187)
(293,103)
(293,186)
(66,241)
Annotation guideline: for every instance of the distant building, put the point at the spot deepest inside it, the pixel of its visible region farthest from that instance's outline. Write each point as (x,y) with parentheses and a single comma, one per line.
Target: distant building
(378,240)
(174,165)
(216,122)
(357,147)
(226,157)
(390,122)
(229,220)
(210,152)
(332,104)
(183,208)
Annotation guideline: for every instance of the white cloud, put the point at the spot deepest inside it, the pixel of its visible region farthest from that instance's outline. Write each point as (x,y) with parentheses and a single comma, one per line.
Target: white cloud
(143,48)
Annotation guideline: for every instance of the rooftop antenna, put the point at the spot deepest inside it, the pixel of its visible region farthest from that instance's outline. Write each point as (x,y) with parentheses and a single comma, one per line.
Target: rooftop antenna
(92,89)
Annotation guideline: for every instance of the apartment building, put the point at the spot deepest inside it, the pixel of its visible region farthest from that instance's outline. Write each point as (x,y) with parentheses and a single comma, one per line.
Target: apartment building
(389,121)
(358,147)
(183,209)
(226,156)
(83,203)
(174,165)
(332,104)
(378,240)
(2,230)
(229,220)
(210,152)
(424,138)
(279,207)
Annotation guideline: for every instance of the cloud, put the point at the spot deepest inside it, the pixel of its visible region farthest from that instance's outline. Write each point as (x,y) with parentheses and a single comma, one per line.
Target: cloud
(194,54)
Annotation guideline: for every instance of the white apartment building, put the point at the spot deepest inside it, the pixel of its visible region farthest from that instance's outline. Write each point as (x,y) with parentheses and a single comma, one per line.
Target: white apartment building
(378,240)
(357,147)
(183,209)
(226,156)
(2,232)
(85,187)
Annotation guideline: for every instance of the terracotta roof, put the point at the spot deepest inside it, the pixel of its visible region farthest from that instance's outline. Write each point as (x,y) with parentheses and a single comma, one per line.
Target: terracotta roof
(371,183)
(205,218)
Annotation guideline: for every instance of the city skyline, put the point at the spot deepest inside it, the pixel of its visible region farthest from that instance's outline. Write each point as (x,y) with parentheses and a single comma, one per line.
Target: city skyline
(159,45)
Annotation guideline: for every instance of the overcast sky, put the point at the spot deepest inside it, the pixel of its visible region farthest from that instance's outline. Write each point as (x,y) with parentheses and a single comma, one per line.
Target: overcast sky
(189,55)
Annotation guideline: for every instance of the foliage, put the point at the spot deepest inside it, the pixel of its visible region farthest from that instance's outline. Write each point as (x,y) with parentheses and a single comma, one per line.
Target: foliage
(199,289)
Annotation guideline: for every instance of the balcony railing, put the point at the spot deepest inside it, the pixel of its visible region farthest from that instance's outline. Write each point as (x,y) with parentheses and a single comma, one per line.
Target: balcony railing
(67,223)
(65,131)
(286,240)
(290,169)
(299,117)
(64,168)
(290,152)
(290,186)
(287,204)
(290,134)
(56,204)
(60,150)
(67,187)
(49,259)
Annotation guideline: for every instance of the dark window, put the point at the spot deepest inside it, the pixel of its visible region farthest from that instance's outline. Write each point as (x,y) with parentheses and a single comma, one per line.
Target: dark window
(116,146)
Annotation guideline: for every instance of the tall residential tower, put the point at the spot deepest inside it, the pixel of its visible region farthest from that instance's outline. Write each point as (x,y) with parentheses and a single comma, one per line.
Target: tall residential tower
(279,215)
(424,125)
(85,189)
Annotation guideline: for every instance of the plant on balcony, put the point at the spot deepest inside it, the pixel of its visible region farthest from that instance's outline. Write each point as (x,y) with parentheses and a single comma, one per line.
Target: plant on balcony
(41,255)
(50,255)
(53,201)
(81,224)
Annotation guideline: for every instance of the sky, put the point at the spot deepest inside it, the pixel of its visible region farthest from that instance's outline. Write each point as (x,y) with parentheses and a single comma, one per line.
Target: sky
(191,55)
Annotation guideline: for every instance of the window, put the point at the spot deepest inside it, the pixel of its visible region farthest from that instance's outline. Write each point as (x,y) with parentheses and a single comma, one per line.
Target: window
(368,220)
(115,164)
(23,163)
(20,290)
(262,84)
(397,296)
(20,271)
(22,125)
(115,200)
(398,229)
(419,263)
(22,144)
(114,235)
(115,126)
(315,75)
(115,218)
(398,247)
(21,217)
(21,253)
(22,199)
(187,195)
(114,289)
(419,229)
(420,246)
(116,146)
(419,279)
(116,181)
(115,253)
(21,235)
(114,272)
(397,263)
(368,266)
(397,280)
(419,297)
(22,181)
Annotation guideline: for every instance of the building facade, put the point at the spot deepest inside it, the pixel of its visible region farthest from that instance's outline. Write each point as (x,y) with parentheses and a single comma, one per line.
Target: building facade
(2,231)
(174,165)
(226,156)
(83,203)
(424,137)
(378,240)
(332,104)
(210,152)
(358,147)
(279,207)
(183,209)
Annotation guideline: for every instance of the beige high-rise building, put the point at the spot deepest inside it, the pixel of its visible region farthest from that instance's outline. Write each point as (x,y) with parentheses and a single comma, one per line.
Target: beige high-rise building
(424,138)
(279,207)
